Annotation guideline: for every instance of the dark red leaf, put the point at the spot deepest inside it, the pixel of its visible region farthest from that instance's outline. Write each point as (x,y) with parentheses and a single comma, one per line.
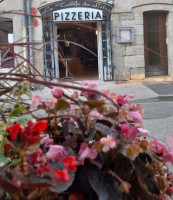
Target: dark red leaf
(33,140)
(7,147)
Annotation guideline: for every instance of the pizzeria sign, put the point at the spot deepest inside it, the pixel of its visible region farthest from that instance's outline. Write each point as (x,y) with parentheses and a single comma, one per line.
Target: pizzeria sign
(77,14)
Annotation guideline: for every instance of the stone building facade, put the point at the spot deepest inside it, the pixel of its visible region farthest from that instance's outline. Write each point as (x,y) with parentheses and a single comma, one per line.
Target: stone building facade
(130,39)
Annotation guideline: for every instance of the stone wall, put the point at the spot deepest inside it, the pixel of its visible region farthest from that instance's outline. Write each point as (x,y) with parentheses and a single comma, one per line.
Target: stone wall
(128,59)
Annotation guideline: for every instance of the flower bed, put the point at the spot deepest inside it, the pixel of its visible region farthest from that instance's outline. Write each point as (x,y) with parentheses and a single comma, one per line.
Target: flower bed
(90,148)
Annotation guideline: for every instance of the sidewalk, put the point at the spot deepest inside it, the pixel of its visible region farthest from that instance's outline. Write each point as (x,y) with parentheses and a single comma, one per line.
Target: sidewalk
(138,88)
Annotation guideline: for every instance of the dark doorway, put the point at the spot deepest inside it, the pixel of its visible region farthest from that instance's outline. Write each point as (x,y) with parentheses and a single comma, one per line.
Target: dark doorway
(156,63)
(6,36)
(82,63)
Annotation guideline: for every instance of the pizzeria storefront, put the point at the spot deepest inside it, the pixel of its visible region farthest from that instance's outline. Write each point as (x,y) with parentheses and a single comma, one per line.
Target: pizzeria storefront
(77,40)
(104,40)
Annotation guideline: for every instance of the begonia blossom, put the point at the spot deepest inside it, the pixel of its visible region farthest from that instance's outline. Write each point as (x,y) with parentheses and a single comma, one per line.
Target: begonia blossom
(142,131)
(85,83)
(132,96)
(46,141)
(70,163)
(158,147)
(169,141)
(136,116)
(93,84)
(129,132)
(86,152)
(35,102)
(120,99)
(50,103)
(62,175)
(57,92)
(56,152)
(108,142)
(94,115)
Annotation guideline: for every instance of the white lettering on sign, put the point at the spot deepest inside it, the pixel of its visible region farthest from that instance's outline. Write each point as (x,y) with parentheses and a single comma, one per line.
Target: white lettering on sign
(78,14)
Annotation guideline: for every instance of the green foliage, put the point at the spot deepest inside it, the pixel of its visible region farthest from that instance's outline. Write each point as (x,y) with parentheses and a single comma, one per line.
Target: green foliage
(17,111)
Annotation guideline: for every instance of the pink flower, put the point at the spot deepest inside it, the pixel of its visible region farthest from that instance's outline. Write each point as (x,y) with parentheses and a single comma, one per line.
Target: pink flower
(108,142)
(57,92)
(50,103)
(132,133)
(136,116)
(142,131)
(94,115)
(158,147)
(168,153)
(93,84)
(86,152)
(46,141)
(170,141)
(120,99)
(163,197)
(168,156)
(170,190)
(132,96)
(56,152)
(35,102)
(129,132)
(90,84)
(85,83)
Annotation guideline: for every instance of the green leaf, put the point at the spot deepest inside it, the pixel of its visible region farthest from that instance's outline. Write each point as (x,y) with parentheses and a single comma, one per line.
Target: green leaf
(23,119)
(17,111)
(106,186)
(93,104)
(3,160)
(61,105)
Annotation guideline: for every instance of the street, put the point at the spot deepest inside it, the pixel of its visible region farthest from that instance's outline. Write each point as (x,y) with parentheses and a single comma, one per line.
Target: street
(158,111)
(156,100)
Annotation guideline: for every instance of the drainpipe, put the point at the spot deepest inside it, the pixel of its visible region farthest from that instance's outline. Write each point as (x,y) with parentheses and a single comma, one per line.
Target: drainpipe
(31,59)
(24,28)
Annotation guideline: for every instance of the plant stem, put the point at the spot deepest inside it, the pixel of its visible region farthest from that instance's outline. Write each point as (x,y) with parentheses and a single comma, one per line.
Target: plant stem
(4,135)
(13,163)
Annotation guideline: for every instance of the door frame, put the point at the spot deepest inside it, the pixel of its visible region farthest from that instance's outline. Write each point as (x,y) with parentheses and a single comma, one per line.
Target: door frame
(163,41)
(99,50)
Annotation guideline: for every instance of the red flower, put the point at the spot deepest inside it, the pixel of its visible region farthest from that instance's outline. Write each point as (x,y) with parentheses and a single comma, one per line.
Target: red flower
(61,175)
(47,168)
(32,131)
(14,130)
(70,163)
(37,162)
